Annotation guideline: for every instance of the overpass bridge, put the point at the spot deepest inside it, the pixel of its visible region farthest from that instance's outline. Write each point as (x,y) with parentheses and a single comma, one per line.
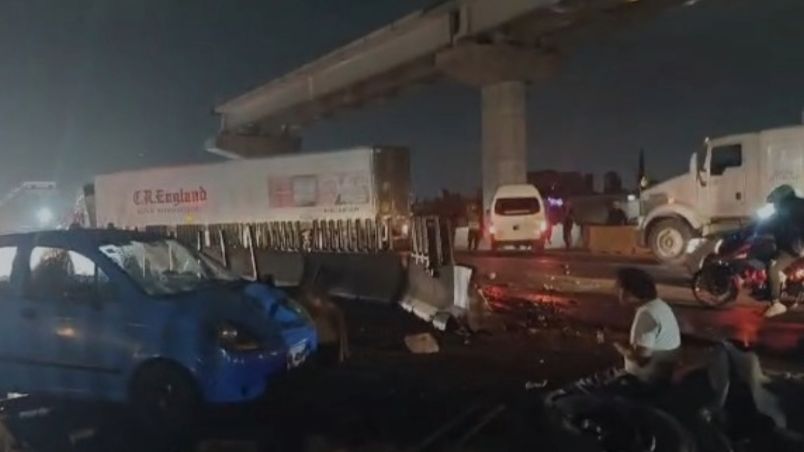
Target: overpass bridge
(497,46)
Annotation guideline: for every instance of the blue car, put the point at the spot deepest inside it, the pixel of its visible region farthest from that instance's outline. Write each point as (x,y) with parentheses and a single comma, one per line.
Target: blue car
(125,316)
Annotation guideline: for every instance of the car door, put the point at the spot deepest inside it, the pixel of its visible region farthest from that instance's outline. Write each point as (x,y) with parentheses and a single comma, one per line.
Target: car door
(13,344)
(77,319)
(727,179)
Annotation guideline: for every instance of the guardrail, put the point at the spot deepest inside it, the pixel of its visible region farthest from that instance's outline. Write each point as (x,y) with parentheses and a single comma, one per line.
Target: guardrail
(431,242)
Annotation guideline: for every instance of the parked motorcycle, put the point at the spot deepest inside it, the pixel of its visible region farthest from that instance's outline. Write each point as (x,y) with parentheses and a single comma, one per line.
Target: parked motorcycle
(738,262)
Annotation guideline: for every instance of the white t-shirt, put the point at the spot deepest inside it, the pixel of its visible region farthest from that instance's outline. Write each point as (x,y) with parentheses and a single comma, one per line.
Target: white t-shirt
(655,328)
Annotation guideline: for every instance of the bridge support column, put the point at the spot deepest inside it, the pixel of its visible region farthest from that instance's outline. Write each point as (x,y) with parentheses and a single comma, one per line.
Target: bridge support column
(504,142)
(501,72)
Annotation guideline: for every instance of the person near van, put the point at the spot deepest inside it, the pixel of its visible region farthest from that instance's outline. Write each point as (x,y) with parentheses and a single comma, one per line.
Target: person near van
(651,354)
(616,216)
(473,221)
(567,224)
(787,228)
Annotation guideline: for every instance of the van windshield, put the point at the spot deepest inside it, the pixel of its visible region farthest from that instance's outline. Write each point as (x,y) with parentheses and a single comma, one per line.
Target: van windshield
(517,206)
(166,267)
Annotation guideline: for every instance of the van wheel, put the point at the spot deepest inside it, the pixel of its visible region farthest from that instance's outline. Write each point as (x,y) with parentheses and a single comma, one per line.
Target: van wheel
(538,246)
(668,240)
(165,399)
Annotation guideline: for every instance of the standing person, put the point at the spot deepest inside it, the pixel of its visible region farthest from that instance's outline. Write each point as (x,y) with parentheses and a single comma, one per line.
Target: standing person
(473,220)
(616,216)
(567,224)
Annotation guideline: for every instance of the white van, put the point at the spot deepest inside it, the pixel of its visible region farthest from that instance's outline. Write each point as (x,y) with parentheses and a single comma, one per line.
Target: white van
(517,217)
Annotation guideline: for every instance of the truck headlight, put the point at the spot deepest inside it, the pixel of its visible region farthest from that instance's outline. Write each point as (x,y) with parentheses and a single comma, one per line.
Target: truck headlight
(234,338)
(766,211)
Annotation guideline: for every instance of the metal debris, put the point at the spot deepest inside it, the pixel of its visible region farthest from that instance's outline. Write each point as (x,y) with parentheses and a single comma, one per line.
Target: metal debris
(80,435)
(530,385)
(600,337)
(423,343)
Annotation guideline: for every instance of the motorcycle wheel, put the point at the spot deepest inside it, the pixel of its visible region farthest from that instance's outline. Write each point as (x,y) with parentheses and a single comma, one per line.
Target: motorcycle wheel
(713,286)
(617,425)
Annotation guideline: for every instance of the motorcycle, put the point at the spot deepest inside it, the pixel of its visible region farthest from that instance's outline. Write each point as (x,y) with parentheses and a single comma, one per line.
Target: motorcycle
(738,262)
(713,408)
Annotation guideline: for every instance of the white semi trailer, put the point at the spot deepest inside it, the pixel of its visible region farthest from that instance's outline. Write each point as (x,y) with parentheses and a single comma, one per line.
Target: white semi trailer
(348,200)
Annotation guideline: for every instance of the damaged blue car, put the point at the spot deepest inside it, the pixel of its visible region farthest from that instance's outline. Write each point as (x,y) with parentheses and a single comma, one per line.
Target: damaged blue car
(125,316)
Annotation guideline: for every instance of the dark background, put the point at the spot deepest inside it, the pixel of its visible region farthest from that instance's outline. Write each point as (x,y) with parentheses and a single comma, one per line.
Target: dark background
(91,86)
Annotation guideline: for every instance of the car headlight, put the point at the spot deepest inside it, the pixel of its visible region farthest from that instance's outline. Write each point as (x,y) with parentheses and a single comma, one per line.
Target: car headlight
(298,309)
(234,338)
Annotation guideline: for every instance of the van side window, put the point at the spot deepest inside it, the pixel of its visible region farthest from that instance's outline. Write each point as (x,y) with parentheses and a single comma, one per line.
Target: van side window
(7,255)
(729,156)
(61,274)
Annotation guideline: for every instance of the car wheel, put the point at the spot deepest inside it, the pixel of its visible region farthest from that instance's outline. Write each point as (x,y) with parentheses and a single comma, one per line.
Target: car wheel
(165,398)
(668,240)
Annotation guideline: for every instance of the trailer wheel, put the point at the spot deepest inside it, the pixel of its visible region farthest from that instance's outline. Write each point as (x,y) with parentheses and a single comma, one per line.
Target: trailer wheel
(668,239)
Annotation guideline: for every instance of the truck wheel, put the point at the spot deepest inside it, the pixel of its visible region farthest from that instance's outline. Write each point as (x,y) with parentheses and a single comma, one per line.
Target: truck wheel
(668,239)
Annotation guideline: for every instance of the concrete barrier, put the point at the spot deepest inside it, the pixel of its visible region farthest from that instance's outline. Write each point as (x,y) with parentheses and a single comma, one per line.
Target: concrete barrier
(374,277)
(622,240)
(442,298)
(286,268)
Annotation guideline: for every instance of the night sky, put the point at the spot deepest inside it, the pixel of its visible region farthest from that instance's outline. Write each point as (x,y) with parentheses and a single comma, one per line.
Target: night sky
(92,86)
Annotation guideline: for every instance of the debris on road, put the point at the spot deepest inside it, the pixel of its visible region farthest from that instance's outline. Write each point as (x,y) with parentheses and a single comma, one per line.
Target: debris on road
(423,343)
(81,435)
(600,337)
(530,385)
(227,446)
(36,412)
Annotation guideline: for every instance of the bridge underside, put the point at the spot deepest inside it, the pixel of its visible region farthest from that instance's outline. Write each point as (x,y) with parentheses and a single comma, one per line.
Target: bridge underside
(497,46)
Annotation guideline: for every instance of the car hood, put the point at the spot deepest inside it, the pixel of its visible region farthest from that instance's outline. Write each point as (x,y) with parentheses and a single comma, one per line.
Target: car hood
(264,310)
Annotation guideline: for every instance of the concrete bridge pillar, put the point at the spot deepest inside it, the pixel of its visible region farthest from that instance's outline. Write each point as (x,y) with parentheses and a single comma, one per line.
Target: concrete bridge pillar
(504,143)
(501,72)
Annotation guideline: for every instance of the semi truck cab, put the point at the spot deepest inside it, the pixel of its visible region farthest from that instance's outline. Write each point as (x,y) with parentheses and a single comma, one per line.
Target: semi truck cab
(727,182)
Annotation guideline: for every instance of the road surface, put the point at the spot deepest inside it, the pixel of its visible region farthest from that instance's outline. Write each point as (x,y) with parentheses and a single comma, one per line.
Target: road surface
(472,393)
(584,285)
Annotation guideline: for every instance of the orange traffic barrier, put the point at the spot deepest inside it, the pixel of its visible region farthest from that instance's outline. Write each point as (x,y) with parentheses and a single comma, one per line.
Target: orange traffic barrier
(623,240)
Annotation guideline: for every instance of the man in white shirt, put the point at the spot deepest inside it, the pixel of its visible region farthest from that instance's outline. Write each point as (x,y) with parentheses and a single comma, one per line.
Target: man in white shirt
(655,339)
(651,352)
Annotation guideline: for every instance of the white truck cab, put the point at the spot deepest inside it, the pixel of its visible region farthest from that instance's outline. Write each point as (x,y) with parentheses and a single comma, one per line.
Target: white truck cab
(728,180)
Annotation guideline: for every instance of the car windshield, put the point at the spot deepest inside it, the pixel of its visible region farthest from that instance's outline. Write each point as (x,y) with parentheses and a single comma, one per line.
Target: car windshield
(517,206)
(166,267)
